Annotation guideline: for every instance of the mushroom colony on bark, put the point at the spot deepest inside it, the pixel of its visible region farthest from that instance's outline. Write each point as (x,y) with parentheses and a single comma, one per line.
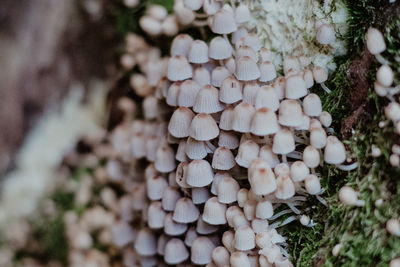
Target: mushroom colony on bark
(230,145)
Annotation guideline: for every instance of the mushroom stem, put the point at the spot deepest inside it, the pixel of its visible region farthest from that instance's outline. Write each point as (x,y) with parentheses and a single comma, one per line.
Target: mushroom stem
(200,23)
(381,59)
(284,159)
(210,146)
(295,155)
(300,140)
(393,90)
(348,167)
(326,89)
(360,203)
(320,199)
(281,213)
(293,207)
(201,15)
(391,98)
(282,223)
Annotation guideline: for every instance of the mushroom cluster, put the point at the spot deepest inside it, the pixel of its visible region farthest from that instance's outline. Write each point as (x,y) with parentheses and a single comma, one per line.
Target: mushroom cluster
(384,87)
(156,21)
(228,144)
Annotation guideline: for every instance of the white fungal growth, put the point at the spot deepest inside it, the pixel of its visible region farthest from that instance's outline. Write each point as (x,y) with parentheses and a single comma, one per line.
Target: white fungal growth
(287,27)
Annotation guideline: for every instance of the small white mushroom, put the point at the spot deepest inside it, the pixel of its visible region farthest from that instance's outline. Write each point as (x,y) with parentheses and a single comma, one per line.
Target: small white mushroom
(348,196)
(376,44)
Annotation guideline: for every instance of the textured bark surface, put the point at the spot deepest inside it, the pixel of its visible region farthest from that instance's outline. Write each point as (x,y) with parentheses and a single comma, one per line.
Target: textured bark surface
(46,45)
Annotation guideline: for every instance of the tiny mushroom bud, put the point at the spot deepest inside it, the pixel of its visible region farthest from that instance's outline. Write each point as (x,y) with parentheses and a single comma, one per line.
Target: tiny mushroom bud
(304,220)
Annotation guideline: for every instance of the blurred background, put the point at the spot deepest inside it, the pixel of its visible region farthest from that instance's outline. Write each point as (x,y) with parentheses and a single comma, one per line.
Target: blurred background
(46,46)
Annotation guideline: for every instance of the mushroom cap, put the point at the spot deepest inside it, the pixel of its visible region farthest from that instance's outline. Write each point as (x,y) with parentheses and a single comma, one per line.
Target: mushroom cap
(375,41)
(179,123)
(179,69)
(198,52)
(207,100)
(203,127)
(181,45)
(199,173)
(295,87)
(266,97)
(175,251)
(264,122)
(290,113)
(261,178)
(185,211)
(247,69)
(223,22)
(201,250)
(214,212)
(219,48)
(244,238)
(230,90)
(334,152)
(283,142)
